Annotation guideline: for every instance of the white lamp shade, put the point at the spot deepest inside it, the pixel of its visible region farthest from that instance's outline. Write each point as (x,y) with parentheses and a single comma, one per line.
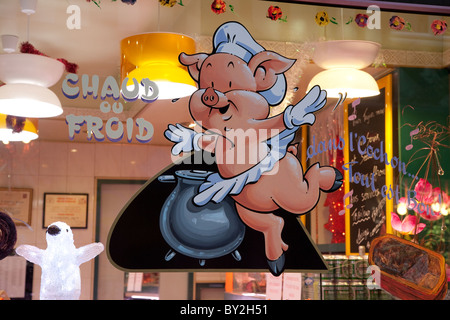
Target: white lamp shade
(29,101)
(353,82)
(345,53)
(30,68)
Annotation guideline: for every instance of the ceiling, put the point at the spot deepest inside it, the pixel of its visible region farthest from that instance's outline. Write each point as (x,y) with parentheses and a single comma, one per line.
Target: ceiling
(95,45)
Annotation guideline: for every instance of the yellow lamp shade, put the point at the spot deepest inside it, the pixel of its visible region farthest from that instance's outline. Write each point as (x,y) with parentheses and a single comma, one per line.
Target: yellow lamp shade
(340,81)
(172,81)
(29,132)
(155,56)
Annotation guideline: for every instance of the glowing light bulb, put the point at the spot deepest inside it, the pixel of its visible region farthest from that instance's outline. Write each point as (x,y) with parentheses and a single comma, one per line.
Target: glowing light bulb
(436,207)
(402,209)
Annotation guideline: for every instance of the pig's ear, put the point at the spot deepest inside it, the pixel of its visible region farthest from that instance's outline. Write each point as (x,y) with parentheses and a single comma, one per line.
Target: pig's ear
(266,65)
(193,62)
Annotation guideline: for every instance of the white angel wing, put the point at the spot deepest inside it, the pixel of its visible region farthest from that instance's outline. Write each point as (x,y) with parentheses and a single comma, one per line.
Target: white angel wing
(31,253)
(88,252)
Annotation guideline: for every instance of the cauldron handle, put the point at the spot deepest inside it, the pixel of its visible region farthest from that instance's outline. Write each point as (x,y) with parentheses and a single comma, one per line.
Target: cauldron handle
(167,179)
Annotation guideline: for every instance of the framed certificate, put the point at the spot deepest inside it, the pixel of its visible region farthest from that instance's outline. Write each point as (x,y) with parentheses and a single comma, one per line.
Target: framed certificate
(18,203)
(71,208)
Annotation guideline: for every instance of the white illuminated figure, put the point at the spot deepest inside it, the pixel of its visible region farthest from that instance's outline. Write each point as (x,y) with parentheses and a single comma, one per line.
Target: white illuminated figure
(60,262)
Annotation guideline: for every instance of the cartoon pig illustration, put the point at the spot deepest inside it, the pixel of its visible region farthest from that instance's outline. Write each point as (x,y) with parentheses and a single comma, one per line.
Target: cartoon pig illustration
(238,83)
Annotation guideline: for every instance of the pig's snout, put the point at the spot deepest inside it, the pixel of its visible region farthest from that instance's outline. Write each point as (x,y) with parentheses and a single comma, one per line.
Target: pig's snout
(210,97)
(213,98)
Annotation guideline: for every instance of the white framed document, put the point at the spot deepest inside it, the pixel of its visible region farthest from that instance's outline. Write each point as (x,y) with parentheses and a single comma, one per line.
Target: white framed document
(17,202)
(71,208)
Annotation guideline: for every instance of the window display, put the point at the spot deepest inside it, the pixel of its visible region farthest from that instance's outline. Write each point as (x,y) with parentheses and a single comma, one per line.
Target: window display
(293,150)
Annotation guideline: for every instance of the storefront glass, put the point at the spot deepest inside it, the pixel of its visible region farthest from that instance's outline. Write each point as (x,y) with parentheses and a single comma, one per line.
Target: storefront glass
(191,204)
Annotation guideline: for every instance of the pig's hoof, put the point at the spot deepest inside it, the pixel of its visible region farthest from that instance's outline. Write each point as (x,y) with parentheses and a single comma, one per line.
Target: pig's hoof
(337,181)
(276,267)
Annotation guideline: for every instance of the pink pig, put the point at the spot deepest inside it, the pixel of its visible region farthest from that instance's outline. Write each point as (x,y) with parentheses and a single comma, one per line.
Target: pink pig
(238,83)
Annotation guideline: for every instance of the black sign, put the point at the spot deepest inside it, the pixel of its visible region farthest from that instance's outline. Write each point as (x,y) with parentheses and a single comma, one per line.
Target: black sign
(366,169)
(138,239)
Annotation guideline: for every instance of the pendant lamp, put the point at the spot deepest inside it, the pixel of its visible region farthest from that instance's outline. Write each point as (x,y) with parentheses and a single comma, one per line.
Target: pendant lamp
(154,56)
(27,78)
(343,60)
(27,134)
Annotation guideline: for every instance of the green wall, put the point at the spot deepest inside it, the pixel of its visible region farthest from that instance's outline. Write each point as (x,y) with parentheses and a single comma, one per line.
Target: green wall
(427,91)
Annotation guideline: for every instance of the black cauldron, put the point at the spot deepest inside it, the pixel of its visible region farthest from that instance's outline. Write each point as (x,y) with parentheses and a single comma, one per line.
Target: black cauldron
(201,232)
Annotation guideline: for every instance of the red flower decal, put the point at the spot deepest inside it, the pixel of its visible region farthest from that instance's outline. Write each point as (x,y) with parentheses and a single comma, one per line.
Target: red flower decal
(438,27)
(396,23)
(274,13)
(218,6)
(361,19)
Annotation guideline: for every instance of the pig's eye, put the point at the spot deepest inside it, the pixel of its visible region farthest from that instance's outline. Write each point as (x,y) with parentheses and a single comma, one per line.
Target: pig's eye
(229,84)
(212,84)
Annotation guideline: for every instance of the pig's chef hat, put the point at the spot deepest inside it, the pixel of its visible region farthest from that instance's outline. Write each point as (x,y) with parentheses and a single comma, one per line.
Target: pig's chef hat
(233,38)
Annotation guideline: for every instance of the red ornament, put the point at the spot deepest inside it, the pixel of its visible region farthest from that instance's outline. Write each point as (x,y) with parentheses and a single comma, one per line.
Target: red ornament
(70,67)
(15,123)
(334,200)
(26,47)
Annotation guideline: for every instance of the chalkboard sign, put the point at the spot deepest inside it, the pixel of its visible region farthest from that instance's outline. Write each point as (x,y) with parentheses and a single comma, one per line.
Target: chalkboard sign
(368,151)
